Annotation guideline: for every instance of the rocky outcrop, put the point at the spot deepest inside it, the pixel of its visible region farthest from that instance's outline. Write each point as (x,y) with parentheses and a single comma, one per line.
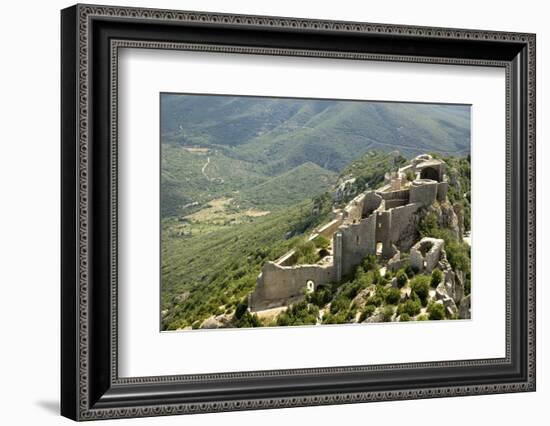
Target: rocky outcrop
(449,219)
(459,212)
(219,321)
(464,309)
(377,317)
(361,299)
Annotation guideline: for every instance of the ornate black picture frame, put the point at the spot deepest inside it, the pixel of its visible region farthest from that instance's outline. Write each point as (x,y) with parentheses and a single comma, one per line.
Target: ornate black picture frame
(91,36)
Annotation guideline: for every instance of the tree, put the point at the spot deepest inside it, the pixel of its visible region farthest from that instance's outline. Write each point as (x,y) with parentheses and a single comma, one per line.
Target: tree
(392,296)
(387,313)
(428,225)
(375,300)
(341,303)
(248,320)
(404,317)
(369,263)
(320,297)
(241,308)
(420,285)
(410,307)
(436,311)
(437,276)
(300,313)
(367,312)
(410,271)
(402,278)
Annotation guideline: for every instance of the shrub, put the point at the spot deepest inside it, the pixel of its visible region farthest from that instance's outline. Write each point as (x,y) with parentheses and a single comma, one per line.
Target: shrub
(387,313)
(410,271)
(392,296)
(420,285)
(352,313)
(422,317)
(436,311)
(375,300)
(428,226)
(339,304)
(437,276)
(388,275)
(402,278)
(339,318)
(320,297)
(410,307)
(376,277)
(351,290)
(241,308)
(381,291)
(364,278)
(369,263)
(382,280)
(404,317)
(248,320)
(367,312)
(305,252)
(321,242)
(458,254)
(300,313)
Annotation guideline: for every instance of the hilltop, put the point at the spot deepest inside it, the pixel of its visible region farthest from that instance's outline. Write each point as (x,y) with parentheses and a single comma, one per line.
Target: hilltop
(281,133)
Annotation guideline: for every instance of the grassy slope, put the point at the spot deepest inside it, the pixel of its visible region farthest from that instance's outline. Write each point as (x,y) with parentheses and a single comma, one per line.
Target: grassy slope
(183,181)
(288,188)
(194,286)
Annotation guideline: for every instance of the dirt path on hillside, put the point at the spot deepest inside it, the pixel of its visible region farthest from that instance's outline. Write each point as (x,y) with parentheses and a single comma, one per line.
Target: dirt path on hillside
(203,170)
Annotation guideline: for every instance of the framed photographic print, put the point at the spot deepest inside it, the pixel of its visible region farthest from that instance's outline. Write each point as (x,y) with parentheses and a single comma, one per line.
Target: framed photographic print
(263,212)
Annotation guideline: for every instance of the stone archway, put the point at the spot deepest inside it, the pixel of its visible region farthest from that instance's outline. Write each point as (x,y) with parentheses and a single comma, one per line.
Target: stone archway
(310,286)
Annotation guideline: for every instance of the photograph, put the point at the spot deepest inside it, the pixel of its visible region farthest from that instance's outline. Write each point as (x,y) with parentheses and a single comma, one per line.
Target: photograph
(279,211)
(269,208)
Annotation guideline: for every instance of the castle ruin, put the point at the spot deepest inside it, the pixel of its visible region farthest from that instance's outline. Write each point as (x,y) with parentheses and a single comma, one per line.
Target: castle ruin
(380,222)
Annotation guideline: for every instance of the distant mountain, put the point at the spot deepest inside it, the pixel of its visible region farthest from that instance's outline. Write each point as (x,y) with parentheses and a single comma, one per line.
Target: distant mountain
(279,134)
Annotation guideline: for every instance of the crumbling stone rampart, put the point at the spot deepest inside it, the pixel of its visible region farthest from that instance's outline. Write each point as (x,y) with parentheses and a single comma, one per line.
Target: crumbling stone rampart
(379,222)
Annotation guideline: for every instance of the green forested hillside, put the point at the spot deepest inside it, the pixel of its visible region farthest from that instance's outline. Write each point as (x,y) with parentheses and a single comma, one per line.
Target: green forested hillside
(288,188)
(281,133)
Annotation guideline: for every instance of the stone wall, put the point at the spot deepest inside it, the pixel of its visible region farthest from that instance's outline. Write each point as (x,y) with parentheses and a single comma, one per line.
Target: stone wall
(383,232)
(423,191)
(403,226)
(357,242)
(432,248)
(402,194)
(279,285)
(354,210)
(442,189)
(391,204)
(330,228)
(371,202)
